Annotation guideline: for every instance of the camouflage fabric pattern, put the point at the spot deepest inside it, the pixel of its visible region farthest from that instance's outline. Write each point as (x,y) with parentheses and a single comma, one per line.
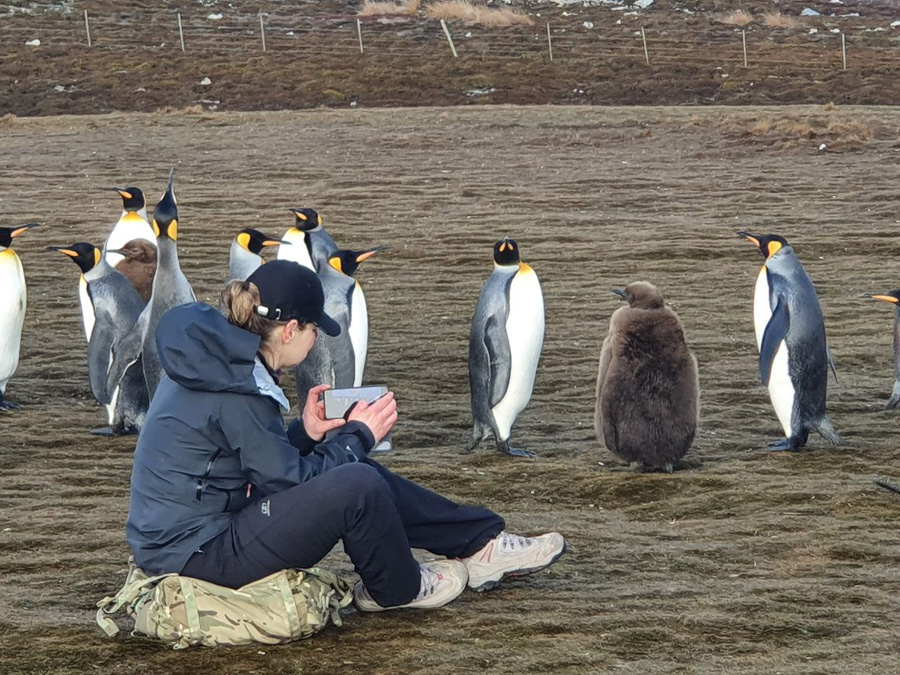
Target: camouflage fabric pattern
(289,605)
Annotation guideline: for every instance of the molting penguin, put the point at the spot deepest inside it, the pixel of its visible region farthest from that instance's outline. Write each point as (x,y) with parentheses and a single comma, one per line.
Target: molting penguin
(311,245)
(894,298)
(648,387)
(13,300)
(170,289)
(790,335)
(138,265)
(504,347)
(347,262)
(246,253)
(110,307)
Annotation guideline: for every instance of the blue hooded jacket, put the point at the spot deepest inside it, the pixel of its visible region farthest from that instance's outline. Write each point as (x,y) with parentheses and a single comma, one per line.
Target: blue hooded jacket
(214,434)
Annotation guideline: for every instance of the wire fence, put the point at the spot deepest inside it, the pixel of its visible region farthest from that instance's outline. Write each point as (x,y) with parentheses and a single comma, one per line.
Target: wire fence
(346,36)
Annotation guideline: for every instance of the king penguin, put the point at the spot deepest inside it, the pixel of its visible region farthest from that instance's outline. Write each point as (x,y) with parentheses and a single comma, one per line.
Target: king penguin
(132,224)
(310,244)
(893,297)
(170,289)
(504,347)
(648,388)
(790,335)
(13,300)
(246,253)
(347,262)
(110,307)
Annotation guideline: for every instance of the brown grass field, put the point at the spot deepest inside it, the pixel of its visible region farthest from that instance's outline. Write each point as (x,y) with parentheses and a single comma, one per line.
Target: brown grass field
(744,561)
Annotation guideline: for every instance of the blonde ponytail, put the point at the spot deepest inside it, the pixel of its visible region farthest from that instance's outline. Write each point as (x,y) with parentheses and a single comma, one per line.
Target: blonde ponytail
(240,299)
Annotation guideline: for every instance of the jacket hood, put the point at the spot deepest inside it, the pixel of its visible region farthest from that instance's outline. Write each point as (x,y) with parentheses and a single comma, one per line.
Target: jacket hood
(200,350)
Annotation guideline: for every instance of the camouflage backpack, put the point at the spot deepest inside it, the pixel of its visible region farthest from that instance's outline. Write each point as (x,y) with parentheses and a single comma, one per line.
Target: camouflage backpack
(289,605)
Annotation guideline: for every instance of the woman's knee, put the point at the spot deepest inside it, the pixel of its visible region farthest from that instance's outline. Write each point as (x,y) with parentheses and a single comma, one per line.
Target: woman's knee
(361,479)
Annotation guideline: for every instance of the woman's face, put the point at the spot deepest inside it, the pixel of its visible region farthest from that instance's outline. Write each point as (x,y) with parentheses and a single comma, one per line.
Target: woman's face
(297,343)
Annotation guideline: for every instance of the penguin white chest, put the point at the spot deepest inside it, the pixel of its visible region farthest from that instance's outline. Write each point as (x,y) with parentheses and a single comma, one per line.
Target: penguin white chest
(131,226)
(295,249)
(359,332)
(762,310)
(13,300)
(87,308)
(525,332)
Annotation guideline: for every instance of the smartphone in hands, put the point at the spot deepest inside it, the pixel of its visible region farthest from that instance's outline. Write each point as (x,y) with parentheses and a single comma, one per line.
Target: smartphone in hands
(339,403)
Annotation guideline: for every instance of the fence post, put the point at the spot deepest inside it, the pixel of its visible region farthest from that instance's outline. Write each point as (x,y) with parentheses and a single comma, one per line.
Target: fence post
(549,41)
(449,39)
(844,49)
(644,40)
(262,31)
(87,28)
(180,31)
(359,33)
(744,41)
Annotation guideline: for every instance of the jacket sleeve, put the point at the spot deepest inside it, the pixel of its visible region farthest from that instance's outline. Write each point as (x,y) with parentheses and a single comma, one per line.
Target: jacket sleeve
(298,437)
(271,464)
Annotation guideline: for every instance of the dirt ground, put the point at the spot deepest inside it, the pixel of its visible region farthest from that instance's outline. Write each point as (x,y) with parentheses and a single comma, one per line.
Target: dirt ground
(313,59)
(744,561)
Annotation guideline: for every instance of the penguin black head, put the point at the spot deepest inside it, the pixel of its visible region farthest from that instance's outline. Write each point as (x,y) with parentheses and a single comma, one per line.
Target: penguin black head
(7,234)
(506,252)
(306,219)
(132,198)
(641,295)
(254,240)
(348,261)
(165,214)
(768,244)
(891,296)
(83,254)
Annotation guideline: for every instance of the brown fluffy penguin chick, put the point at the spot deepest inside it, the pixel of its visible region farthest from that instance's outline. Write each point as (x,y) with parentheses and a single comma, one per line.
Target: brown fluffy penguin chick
(648,388)
(139,265)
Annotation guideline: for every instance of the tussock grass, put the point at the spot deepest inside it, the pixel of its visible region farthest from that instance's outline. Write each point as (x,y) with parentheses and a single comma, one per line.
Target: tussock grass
(485,16)
(777,20)
(736,18)
(376,8)
(791,131)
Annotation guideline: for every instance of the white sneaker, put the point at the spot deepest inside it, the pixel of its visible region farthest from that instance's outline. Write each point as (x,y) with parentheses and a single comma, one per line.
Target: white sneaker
(442,581)
(509,555)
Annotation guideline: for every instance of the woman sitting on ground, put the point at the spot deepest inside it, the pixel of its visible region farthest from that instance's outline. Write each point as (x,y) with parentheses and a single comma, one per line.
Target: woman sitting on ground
(220,492)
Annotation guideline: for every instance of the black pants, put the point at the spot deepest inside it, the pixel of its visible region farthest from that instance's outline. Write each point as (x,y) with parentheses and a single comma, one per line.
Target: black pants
(378,515)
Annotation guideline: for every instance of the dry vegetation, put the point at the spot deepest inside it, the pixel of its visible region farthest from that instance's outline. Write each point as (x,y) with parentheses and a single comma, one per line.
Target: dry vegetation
(798,130)
(778,20)
(379,8)
(736,18)
(462,10)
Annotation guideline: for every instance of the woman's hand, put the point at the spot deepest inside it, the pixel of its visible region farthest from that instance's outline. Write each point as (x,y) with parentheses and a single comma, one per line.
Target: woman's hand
(378,416)
(314,422)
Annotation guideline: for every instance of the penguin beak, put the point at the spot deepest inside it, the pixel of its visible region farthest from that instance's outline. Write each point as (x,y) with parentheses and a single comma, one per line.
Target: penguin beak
(21,230)
(749,237)
(275,242)
(117,250)
(620,293)
(123,193)
(65,251)
(365,255)
(886,298)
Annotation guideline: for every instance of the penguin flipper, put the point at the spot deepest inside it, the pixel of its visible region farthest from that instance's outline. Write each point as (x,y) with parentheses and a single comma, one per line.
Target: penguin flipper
(497,344)
(776,331)
(100,358)
(124,353)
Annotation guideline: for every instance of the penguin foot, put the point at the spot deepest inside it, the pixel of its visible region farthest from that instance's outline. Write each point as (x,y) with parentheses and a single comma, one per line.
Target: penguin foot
(6,406)
(103,431)
(472,443)
(784,445)
(506,448)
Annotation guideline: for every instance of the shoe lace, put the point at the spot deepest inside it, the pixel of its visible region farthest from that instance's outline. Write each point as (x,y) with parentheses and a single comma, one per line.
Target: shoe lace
(513,542)
(430,580)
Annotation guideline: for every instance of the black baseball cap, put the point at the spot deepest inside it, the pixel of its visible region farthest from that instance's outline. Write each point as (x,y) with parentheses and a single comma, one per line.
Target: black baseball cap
(288,290)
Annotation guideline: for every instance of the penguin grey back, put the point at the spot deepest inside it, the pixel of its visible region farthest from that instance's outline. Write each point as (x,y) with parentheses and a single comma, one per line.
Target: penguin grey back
(648,388)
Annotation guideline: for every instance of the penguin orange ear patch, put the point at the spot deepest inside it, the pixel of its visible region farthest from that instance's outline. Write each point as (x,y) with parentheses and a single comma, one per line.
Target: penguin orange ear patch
(155,227)
(97,255)
(243,240)
(773,247)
